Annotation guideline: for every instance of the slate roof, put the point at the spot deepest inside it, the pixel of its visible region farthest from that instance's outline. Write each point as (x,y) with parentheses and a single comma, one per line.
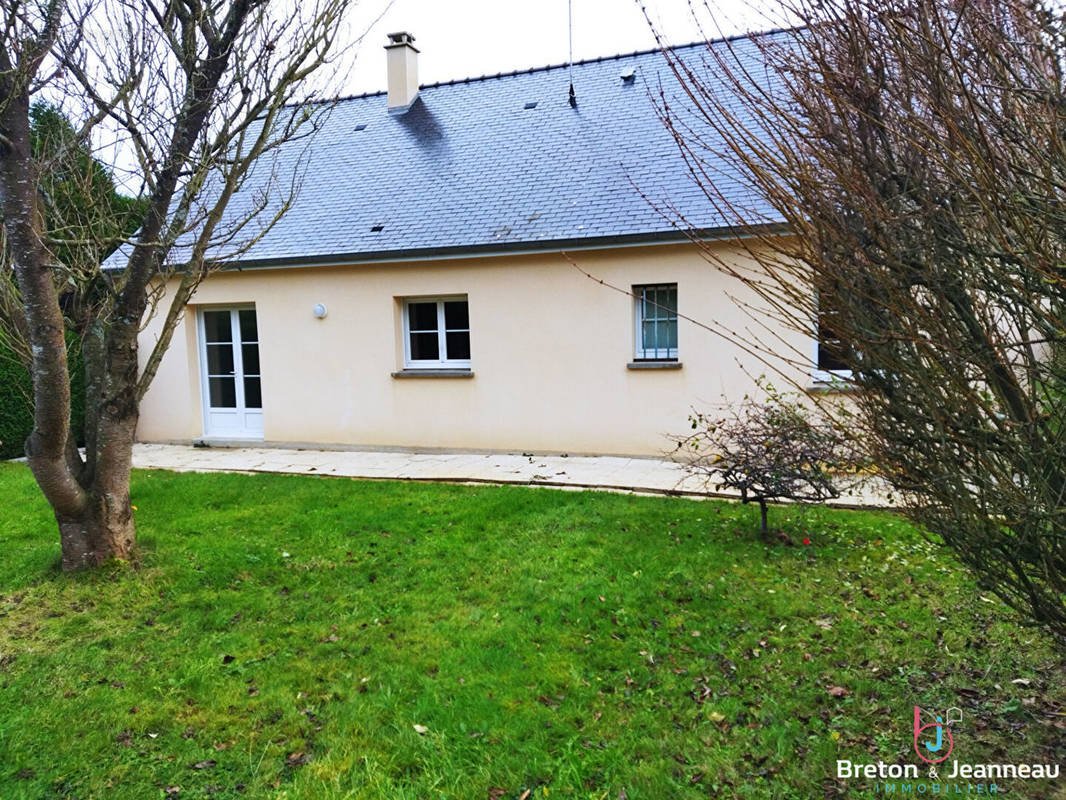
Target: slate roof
(470,168)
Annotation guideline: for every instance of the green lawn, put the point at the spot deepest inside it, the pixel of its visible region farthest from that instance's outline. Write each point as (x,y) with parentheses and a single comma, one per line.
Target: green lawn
(315,638)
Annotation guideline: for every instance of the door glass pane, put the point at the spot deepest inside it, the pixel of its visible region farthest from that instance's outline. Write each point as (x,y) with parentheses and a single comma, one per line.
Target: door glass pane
(223,392)
(217,326)
(458,344)
(250,359)
(249,333)
(253,395)
(456,317)
(422,316)
(424,347)
(219,359)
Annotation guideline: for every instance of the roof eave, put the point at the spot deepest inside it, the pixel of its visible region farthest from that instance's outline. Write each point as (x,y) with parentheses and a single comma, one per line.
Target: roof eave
(494,249)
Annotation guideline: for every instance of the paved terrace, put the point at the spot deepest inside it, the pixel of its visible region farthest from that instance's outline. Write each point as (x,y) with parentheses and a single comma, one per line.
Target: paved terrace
(614,473)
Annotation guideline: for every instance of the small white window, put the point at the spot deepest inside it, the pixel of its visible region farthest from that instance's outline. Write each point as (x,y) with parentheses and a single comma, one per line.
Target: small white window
(656,319)
(436,333)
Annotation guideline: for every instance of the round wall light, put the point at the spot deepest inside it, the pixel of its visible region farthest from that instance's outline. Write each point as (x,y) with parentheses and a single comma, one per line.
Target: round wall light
(319,310)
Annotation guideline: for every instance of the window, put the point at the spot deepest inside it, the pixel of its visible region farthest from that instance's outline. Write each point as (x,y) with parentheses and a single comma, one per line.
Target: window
(830,352)
(656,317)
(436,333)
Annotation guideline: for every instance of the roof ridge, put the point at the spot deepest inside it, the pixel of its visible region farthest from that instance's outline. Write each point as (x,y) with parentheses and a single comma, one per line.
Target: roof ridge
(548,67)
(561,65)
(599,59)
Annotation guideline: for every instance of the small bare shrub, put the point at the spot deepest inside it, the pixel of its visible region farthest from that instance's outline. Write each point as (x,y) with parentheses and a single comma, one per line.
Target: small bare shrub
(776,449)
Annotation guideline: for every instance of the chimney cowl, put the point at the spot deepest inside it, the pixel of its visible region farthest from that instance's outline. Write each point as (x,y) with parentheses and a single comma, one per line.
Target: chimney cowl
(403,71)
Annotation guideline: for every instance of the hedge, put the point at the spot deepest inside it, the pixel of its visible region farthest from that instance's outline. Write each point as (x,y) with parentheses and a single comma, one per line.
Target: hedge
(16,409)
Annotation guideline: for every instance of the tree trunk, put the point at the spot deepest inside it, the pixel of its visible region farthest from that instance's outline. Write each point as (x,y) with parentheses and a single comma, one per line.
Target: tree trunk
(49,452)
(105,532)
(105,529)
(90,499)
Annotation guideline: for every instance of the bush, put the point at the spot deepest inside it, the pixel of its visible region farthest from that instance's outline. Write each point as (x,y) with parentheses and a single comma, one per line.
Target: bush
(16,404)
(776,449)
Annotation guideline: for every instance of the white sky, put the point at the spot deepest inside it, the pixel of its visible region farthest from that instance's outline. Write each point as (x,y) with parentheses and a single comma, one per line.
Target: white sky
(469,38)
(465,38)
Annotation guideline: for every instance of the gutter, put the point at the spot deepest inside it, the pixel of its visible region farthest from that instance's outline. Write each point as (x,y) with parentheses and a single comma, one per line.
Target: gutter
(491,250)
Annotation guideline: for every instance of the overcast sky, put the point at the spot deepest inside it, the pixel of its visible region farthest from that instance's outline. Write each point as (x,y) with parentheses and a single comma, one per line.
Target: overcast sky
(465,38)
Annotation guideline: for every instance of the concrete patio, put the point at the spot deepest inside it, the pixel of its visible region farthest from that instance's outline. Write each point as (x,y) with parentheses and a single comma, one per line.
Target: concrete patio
(614,473)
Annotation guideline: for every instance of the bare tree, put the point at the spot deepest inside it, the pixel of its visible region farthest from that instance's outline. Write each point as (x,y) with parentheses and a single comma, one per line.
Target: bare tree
(196,96)
(915,153)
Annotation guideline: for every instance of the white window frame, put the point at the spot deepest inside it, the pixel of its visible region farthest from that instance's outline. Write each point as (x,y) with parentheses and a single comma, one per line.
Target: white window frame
(442,344)
(829,376)
(639,353)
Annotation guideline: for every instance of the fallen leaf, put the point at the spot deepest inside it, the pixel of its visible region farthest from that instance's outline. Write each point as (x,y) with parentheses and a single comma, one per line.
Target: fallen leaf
(421,729)
(297,759)
(204,764)
(838,691)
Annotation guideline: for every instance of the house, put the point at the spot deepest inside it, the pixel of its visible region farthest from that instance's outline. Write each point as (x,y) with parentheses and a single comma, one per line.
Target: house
(428,289)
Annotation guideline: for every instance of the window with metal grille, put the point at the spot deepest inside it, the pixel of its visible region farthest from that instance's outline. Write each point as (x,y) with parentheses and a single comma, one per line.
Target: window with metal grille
(656,321)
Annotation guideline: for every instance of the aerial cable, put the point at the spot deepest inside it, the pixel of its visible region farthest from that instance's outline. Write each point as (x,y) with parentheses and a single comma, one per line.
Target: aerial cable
(570,15)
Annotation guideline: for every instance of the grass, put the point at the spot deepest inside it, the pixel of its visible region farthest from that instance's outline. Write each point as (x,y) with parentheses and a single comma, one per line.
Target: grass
(284,636)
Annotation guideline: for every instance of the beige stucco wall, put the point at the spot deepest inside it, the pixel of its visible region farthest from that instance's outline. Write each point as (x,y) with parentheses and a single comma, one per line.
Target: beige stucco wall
(549,352)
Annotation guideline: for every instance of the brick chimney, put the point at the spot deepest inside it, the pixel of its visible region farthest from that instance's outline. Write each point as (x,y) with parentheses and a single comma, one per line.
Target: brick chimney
(403,72)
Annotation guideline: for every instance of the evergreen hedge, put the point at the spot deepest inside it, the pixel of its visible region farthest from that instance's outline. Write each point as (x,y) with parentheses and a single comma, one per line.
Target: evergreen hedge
(16,407)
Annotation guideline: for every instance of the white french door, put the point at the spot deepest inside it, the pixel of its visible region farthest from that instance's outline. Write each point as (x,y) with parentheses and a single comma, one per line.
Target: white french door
(229,373)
